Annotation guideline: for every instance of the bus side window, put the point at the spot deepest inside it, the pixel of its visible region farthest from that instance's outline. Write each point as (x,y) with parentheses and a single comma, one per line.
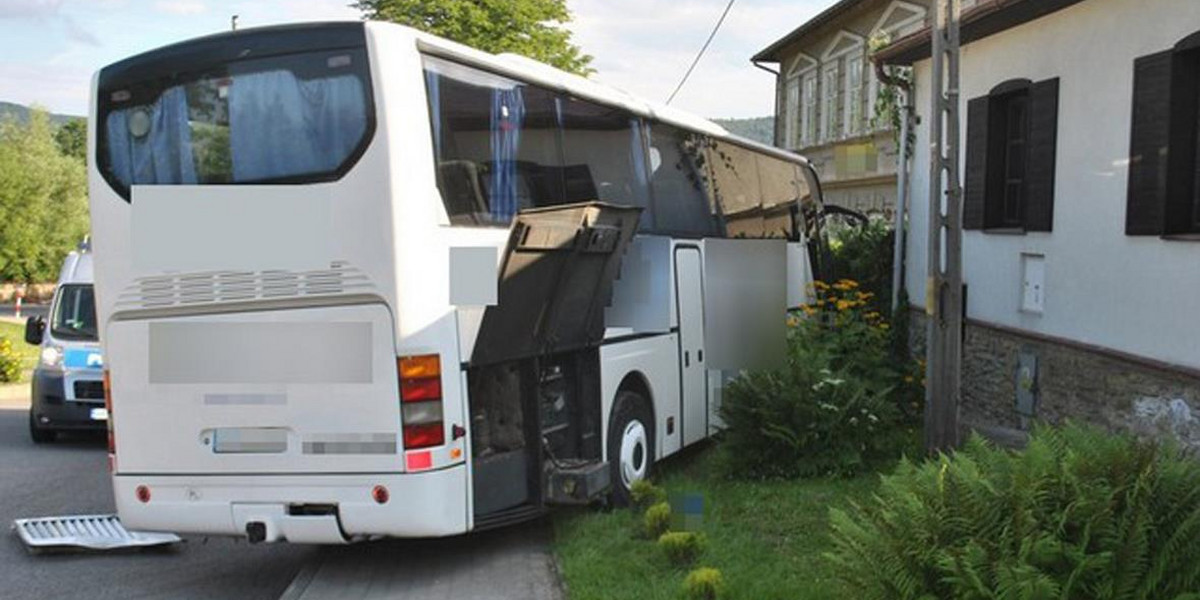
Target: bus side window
(603,156)
(495,143)
(780,196)
(680,183)
(737,189)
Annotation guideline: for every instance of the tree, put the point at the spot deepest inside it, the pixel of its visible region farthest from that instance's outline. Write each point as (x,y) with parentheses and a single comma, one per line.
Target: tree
(71,138)
(43,200)
(533,28)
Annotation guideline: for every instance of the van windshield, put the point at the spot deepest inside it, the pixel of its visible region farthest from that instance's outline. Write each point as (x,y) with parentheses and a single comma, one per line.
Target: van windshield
(291,118)
(75,313)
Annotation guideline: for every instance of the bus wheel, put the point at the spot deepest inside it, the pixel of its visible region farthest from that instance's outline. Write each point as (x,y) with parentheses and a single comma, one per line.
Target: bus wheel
(630,444)
(37,434)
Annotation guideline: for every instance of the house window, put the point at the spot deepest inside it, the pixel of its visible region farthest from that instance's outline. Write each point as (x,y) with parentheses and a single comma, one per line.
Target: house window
(791,103)
(854,89)
(809,113)
(1164,161)
(829,106)
(1011,144)
(1007,184)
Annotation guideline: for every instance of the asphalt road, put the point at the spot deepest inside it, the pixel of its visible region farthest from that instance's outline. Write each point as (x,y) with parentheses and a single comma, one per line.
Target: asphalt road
(28,310)
(70,477)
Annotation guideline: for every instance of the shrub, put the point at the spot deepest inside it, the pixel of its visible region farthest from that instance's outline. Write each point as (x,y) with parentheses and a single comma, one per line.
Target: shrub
(703,584)
(840,403)
(645,494)
(681,547)
(657,520)
(1080,513)
(10,362)
(864,254)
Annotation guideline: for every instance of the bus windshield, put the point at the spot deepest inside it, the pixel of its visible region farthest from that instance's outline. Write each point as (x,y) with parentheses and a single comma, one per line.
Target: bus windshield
(289,118)
(75,314)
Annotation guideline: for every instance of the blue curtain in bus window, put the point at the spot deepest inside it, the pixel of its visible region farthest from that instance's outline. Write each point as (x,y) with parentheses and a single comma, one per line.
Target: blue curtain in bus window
(508,115)
(162,153)
(281,125)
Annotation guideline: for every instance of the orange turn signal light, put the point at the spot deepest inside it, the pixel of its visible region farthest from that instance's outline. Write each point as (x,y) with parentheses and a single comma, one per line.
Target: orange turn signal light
(416,367)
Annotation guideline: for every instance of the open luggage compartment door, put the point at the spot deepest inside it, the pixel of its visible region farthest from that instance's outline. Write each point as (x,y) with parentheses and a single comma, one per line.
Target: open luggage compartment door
(555,280)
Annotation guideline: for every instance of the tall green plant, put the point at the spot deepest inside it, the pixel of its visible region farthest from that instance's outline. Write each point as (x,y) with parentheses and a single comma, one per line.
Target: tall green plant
(534,28)
(1080,514)
(840,403)
(43,200)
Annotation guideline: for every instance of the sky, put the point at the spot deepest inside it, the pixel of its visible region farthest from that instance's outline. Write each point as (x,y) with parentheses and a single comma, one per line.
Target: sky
(49,49)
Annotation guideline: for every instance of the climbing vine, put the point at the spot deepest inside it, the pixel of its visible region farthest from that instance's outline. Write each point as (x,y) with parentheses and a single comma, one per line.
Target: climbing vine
(889,107)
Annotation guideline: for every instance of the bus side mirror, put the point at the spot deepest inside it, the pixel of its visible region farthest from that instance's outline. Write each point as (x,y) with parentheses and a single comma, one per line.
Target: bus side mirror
(35,327)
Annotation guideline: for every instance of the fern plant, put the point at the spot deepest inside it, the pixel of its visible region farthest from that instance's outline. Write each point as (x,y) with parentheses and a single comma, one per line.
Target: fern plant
(1079,514)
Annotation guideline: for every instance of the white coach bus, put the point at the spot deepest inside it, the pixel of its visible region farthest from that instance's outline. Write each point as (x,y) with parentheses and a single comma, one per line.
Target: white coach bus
(355,281)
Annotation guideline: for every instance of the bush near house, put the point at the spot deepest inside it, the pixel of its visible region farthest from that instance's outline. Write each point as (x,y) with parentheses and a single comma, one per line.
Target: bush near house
(1081,513)
(841,402)
(864,254)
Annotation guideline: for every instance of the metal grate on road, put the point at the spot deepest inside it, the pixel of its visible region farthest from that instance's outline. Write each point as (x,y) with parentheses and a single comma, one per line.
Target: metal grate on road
(92,532)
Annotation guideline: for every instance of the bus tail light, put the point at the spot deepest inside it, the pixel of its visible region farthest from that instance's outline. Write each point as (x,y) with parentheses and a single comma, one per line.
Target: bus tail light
(421,400)
(108,408)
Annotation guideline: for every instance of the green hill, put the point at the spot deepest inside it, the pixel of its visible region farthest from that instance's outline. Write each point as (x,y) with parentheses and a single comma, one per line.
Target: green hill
(759,129)
(9,110)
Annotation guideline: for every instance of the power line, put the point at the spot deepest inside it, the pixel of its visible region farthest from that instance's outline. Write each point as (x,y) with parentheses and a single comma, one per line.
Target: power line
(701,53)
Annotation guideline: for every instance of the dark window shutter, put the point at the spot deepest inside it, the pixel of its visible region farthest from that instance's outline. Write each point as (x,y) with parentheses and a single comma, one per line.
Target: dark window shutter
(1147,195)
(1043,139)
(976,169)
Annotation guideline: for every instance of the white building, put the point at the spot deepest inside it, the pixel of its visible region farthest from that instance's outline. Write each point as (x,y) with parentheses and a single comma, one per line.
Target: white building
(1082,209)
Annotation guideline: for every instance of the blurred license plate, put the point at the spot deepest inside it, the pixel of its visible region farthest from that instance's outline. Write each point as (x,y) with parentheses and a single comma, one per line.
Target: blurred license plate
(99,414)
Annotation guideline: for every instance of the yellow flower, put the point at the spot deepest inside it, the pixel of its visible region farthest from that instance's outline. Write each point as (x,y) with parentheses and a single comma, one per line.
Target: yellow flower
(908,379)
(808,310)
(820,285)
(844,304)
(872,315)
(821,302)
(793,321)
(884,326)
(849,283)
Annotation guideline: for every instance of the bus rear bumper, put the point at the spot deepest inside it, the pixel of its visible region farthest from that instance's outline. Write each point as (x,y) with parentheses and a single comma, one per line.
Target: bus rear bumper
(290,507)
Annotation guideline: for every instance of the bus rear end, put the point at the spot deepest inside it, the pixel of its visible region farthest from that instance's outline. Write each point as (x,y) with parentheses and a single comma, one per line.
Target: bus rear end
(245,248)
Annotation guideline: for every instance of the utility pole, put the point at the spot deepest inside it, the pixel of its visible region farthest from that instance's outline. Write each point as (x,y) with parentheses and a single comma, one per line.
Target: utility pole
(943,288)
(233,23)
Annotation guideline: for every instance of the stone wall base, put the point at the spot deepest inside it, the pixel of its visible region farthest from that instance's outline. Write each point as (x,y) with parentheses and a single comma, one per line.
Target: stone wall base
(1073,381)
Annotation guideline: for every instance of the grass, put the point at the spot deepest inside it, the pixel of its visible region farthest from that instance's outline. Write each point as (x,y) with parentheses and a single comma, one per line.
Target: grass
(29,354)
(766,538)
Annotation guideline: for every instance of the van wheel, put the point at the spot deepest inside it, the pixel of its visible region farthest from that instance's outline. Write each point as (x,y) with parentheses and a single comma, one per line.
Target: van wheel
(630,444)
(39,435)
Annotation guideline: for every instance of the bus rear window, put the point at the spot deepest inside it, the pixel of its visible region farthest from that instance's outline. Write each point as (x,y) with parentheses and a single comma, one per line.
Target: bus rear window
(283,119)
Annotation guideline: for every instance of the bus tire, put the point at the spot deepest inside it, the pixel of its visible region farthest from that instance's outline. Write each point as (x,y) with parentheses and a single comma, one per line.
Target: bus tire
(630,444)
(39,435)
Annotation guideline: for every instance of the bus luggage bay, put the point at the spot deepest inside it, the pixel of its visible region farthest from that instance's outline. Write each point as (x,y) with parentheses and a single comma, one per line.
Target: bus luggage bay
(354,280)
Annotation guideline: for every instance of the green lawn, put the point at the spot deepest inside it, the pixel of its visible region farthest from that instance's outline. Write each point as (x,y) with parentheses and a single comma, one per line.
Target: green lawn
(765,537)
(29,354)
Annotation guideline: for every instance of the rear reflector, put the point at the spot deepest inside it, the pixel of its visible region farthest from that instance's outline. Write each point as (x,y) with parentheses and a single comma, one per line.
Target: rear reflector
(143,494)
(417,461)
(380,494)
(424,436)
(108,409)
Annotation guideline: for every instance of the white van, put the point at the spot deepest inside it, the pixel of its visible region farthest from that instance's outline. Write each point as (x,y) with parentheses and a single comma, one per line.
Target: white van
(68,382)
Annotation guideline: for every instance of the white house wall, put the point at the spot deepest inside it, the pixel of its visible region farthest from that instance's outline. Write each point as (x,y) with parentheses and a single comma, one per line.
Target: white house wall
(1133,294)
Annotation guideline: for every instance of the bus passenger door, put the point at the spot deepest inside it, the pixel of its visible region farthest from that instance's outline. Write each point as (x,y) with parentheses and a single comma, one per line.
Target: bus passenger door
(689,302)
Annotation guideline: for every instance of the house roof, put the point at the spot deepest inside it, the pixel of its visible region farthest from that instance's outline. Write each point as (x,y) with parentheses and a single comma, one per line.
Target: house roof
(771,53)
(986,18)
